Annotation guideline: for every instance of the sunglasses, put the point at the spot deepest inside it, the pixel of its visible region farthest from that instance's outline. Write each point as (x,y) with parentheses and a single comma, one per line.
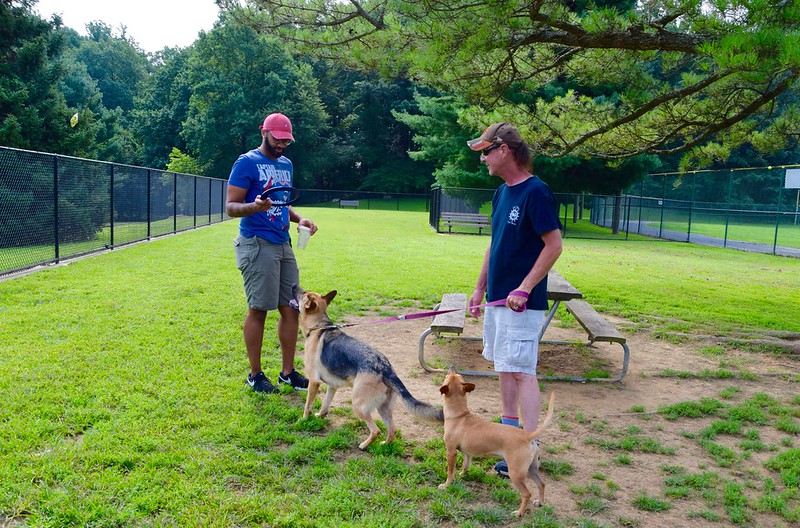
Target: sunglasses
(284,142)
(487,150)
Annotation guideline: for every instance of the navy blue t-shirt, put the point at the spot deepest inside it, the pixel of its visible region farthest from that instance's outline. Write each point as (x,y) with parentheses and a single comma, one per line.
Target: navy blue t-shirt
(520,214)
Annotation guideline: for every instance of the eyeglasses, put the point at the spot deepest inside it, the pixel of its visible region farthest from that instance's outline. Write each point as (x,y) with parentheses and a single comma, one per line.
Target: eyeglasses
(284,142)
(487,150)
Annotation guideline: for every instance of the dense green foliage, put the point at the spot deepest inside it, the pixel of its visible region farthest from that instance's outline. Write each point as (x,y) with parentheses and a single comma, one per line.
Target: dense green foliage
(610,79)
(206,101)
(429,76)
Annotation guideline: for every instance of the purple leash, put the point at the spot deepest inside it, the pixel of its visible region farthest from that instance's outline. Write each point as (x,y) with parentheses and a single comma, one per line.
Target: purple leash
(420,315)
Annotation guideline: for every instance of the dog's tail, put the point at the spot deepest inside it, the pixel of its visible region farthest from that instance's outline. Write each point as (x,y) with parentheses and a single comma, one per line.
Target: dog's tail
(547,419)
(420,409)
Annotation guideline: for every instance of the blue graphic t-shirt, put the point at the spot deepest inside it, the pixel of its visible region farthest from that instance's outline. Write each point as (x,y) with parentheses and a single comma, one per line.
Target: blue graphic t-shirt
(520,214)
(256,172)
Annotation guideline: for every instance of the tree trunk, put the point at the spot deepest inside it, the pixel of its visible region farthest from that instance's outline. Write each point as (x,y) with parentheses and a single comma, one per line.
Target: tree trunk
(616,220)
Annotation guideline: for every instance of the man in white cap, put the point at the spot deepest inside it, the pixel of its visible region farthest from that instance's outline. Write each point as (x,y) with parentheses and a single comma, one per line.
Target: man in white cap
(264,252)
(526,242)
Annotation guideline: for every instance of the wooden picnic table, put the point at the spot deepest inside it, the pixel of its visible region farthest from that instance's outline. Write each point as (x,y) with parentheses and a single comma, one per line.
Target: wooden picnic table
(452,322)
(558,290)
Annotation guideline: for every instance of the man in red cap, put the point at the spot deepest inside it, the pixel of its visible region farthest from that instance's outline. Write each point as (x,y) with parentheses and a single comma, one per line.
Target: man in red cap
(264,252)
(526,242)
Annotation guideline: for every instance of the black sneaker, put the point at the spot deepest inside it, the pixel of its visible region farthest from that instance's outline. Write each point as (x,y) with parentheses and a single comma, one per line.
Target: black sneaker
(260,383)
(295,379)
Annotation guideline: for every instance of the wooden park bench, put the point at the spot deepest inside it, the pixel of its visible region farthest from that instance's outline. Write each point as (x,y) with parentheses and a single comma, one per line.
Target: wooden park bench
(348,203)
(450,219)
(451,325)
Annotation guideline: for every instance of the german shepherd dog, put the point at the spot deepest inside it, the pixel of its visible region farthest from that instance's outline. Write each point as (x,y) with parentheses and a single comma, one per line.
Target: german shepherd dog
(335,358)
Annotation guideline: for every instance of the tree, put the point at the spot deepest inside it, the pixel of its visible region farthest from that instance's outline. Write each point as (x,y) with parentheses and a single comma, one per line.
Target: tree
(116,63)
(688,76)
(442,141)
(237,78)
(162,106)
(33,112)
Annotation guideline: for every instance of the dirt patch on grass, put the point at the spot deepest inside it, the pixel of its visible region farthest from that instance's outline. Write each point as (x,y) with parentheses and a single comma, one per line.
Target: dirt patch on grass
(612,444)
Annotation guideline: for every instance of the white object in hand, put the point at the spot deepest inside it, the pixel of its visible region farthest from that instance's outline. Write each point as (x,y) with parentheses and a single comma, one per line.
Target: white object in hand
(303,236)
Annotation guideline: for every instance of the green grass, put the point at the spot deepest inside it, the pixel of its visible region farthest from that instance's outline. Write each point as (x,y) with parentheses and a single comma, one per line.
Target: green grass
(122,379)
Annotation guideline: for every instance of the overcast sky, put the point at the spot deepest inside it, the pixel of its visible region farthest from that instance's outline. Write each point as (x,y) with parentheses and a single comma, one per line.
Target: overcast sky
(154,24)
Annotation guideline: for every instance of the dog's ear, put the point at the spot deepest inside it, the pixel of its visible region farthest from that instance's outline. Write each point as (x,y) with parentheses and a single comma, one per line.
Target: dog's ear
(310,305)
(468,387)
(444,389)
(329,296)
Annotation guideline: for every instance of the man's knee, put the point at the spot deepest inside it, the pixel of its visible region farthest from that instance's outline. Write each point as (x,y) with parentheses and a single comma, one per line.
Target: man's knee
(257,315)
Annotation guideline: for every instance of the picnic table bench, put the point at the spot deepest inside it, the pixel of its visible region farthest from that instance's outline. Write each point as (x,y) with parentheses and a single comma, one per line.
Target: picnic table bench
(348,203)
(449,219)
(451,325)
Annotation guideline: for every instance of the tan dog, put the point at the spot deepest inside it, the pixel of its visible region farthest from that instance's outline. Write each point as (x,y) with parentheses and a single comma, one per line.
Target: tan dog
(333,357)
(474,436)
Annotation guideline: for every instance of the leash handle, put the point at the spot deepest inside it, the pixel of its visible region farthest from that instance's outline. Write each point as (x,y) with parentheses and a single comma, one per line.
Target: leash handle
(519,293)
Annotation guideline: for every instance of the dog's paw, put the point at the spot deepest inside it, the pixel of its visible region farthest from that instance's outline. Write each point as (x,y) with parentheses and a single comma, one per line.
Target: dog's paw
(444,485)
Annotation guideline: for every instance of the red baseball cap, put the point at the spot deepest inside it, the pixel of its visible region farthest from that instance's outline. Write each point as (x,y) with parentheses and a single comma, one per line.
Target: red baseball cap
(279,126)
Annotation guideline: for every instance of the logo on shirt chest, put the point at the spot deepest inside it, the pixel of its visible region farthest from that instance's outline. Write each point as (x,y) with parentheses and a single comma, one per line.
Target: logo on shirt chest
(273,175)
(513,215)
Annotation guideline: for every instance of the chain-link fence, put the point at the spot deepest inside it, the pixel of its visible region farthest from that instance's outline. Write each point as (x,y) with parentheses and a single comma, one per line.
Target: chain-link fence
(384,201)
(754,209)
(674,212)
(56,207)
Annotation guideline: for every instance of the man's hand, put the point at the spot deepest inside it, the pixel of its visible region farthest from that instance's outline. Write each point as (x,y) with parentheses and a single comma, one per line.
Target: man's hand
(262,205)
(476,299)
(308,223)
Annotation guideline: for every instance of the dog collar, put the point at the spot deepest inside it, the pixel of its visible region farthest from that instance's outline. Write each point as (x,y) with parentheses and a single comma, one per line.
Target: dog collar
(322,328)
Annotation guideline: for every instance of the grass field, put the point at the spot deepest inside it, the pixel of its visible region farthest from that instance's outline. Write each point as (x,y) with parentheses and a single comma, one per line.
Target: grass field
(121,376)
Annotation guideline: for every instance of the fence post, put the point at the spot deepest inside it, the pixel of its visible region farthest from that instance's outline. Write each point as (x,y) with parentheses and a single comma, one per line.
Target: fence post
(56,248)
(174,202)
(222,192)
(728,212)
(111,193)
(627,216)
(575,208)
(148,204)
(194,204)
(663,204)
(691,208)
(641,201)
(777,219)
